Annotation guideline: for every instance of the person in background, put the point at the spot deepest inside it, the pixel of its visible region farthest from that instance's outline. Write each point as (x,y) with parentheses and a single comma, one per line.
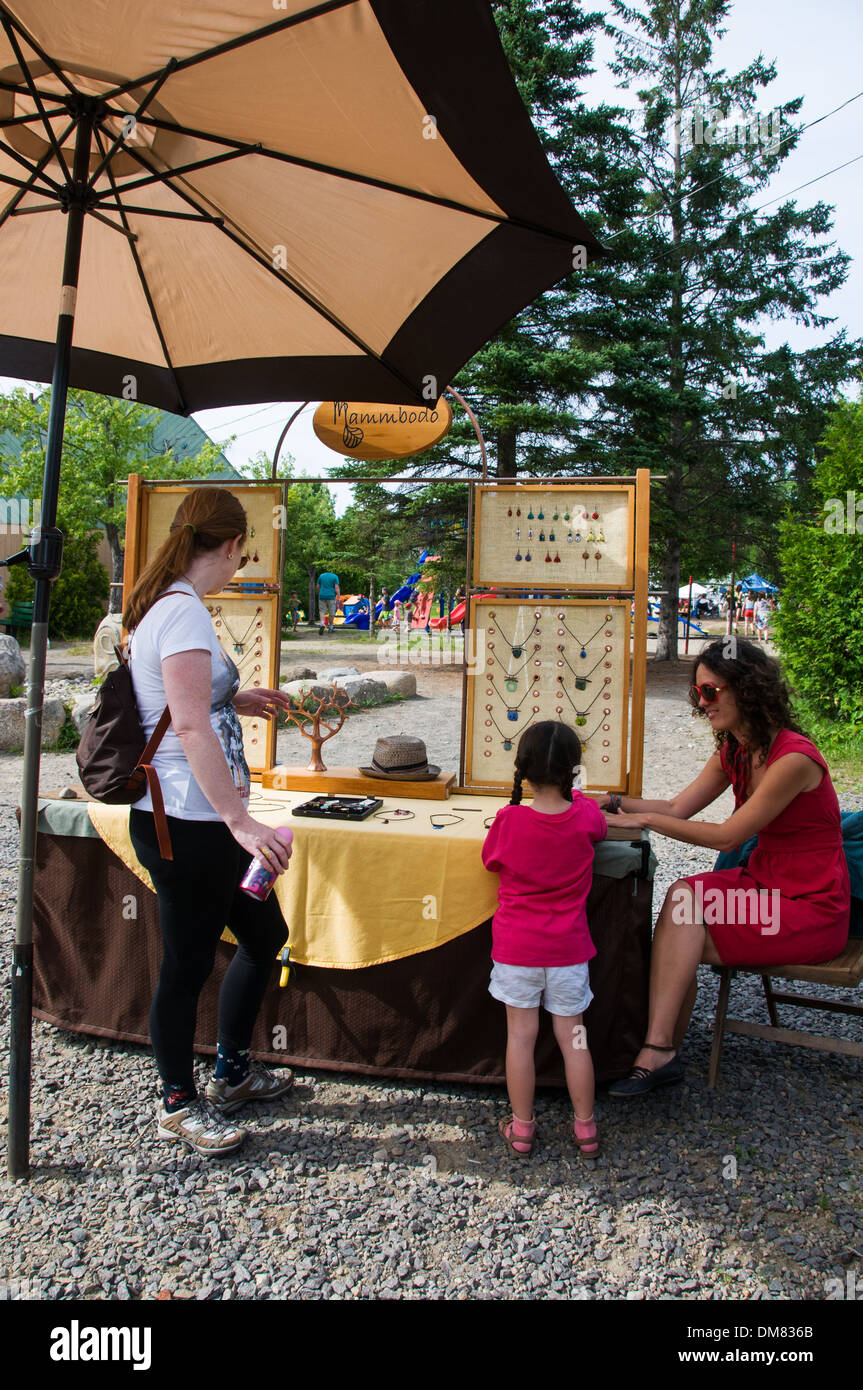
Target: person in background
(763,611)
(176,660)
(294,609)
(329,594)
(749,612)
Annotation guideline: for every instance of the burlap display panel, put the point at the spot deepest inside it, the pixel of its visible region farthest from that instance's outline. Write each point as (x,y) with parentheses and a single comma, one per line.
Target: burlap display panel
(531,658)
(261,505)
(554,537)
(429,1016)
(247,629)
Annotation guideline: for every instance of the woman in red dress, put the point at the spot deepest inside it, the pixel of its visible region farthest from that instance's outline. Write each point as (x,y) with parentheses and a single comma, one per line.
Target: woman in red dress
(791,904)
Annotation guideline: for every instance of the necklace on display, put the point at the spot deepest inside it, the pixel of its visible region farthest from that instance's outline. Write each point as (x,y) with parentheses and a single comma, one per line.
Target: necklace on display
(561,617)
(581,714)
(511,710)
(581,681)
(443,820)
(506,738)
(518,647)
(239,642)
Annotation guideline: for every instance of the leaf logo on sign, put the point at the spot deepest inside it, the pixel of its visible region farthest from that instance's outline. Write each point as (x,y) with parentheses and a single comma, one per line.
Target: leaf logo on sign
(352,437)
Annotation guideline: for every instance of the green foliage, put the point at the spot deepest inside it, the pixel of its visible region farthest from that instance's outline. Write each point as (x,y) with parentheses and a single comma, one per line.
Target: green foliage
(68,737)
(820,625)
(312,531)
(78,597)
(104,440)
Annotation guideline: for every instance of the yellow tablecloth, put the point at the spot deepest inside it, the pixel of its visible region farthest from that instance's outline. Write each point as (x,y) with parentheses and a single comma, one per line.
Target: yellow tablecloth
(362,893)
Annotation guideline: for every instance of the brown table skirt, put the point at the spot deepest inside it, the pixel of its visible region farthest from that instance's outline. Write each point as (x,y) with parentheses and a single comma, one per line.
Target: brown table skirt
(428,1017)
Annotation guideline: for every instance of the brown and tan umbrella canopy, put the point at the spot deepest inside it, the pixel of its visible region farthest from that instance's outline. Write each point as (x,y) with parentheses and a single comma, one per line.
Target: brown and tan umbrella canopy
(285,201)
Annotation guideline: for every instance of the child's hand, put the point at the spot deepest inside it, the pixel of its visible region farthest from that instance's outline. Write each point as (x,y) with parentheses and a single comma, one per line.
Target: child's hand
(626,819)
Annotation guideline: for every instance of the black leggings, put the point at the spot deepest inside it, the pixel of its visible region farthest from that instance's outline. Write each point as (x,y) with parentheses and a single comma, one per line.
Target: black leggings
(198,894)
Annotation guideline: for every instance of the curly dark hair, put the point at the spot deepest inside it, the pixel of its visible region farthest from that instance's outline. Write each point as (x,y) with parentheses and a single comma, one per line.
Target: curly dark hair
(759,688)
(548,753)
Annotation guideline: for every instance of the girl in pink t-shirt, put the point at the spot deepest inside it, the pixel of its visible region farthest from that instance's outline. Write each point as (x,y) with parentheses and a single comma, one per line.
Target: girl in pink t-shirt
(540,938)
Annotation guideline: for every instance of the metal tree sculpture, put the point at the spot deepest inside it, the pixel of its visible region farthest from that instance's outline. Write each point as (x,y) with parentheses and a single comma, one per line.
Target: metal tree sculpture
(324,703)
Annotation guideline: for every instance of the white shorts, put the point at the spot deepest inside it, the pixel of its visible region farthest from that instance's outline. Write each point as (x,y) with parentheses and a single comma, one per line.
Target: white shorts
(562,989)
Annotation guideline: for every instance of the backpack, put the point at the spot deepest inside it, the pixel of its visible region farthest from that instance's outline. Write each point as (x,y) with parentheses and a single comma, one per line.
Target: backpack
(114,758)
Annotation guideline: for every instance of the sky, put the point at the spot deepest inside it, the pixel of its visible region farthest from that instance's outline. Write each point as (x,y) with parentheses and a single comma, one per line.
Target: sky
(817,52)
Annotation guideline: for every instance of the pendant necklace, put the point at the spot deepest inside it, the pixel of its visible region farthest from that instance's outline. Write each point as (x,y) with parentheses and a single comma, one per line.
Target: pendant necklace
(239,642)
(511,710)
(583,645)
(581,681)
(581,714)
(518,647)
(506,739)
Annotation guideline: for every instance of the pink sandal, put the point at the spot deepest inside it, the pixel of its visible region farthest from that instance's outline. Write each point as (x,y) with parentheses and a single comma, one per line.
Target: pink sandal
(586,1137)
(520,1140)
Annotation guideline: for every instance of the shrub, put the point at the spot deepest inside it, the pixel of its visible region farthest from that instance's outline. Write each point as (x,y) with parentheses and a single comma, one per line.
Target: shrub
(78,597)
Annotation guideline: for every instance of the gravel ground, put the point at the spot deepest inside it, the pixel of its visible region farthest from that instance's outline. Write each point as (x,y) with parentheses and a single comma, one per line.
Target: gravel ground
(355,1188)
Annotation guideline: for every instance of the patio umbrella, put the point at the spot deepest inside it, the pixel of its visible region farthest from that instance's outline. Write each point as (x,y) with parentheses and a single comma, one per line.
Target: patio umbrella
(239,203)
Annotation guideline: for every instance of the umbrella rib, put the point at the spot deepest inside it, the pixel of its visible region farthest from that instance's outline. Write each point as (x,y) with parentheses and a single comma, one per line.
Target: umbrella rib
(263,260)
(37,170)
(367,179)
(179,170)
(33,116)
(239,42)
(16,47)
(163,212)
(40,52)
(120,139)
(144,286)
(25,188)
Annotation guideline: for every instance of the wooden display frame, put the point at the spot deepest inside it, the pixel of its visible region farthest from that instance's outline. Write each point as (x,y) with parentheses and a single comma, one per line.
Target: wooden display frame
(561,641)
(151,506)
(496,544)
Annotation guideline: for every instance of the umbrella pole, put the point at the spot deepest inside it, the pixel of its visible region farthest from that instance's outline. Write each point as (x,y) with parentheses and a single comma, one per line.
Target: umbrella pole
(43,558)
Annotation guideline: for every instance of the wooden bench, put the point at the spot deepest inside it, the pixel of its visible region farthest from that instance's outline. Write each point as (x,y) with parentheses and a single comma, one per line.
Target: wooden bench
(20,616)
(845,972)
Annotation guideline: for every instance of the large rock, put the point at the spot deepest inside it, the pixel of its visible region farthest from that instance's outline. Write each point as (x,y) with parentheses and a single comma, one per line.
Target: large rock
(109,634)
(298,690)
(298,673)
(340,674)
(13,719)
(366,691)
(81,710)
(398,682)
(12,668)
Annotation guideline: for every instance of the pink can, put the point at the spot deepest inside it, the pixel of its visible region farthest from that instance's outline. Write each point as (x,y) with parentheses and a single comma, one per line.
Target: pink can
(260,876)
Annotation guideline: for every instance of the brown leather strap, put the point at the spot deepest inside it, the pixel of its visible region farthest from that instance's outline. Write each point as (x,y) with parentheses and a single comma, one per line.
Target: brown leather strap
(162,833)
(156,737)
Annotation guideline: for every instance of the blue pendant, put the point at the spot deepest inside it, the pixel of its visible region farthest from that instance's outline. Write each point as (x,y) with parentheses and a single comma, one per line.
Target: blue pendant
(512,714)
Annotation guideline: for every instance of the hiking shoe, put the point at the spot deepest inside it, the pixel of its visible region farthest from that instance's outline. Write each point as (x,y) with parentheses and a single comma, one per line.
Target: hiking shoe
(260,1084)
(198,1126)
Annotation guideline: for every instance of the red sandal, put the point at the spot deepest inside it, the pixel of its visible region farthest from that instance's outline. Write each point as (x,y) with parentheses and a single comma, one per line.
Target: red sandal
(588,1141)
(520,1144)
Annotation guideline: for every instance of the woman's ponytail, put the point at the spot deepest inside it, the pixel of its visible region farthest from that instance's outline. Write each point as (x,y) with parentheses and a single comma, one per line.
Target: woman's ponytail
(205,519)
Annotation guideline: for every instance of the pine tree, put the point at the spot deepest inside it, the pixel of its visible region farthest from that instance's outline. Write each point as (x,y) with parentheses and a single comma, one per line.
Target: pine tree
(695,394)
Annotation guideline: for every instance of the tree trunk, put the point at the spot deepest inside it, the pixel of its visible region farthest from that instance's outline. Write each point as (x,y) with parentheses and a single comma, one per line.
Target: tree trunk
(118,555)
(506,464)
(666,638)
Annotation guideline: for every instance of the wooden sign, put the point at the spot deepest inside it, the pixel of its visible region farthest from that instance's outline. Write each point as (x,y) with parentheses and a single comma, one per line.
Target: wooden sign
(364,430)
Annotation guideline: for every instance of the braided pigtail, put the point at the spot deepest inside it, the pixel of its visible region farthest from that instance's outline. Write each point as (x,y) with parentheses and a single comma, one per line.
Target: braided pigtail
(515,799)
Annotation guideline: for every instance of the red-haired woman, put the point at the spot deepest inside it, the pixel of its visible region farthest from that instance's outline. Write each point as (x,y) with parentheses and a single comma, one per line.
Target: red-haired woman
(176,660)
(790,905)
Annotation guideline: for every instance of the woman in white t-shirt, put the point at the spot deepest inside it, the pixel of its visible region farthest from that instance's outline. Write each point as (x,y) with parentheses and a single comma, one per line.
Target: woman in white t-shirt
(176,660)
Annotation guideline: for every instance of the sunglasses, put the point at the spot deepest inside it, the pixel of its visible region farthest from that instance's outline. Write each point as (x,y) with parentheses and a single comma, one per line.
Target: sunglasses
(706,692)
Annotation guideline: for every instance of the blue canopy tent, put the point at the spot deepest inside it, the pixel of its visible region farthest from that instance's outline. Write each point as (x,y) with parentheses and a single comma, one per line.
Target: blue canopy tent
(755,583)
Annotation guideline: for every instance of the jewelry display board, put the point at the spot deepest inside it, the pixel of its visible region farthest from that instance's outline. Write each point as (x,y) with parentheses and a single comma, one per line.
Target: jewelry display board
(564,659)
(246,626)
(554,537)
(261,504)
(247,622)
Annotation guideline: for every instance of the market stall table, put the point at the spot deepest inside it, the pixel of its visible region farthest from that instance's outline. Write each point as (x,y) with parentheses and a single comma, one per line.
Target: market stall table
(390,930)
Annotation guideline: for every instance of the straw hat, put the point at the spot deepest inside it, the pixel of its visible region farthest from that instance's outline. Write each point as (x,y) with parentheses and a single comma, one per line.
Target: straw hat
(401,759)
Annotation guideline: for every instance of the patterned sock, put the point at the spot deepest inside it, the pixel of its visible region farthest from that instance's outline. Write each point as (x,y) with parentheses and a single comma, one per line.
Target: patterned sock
(176,1095)
(232,1064)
